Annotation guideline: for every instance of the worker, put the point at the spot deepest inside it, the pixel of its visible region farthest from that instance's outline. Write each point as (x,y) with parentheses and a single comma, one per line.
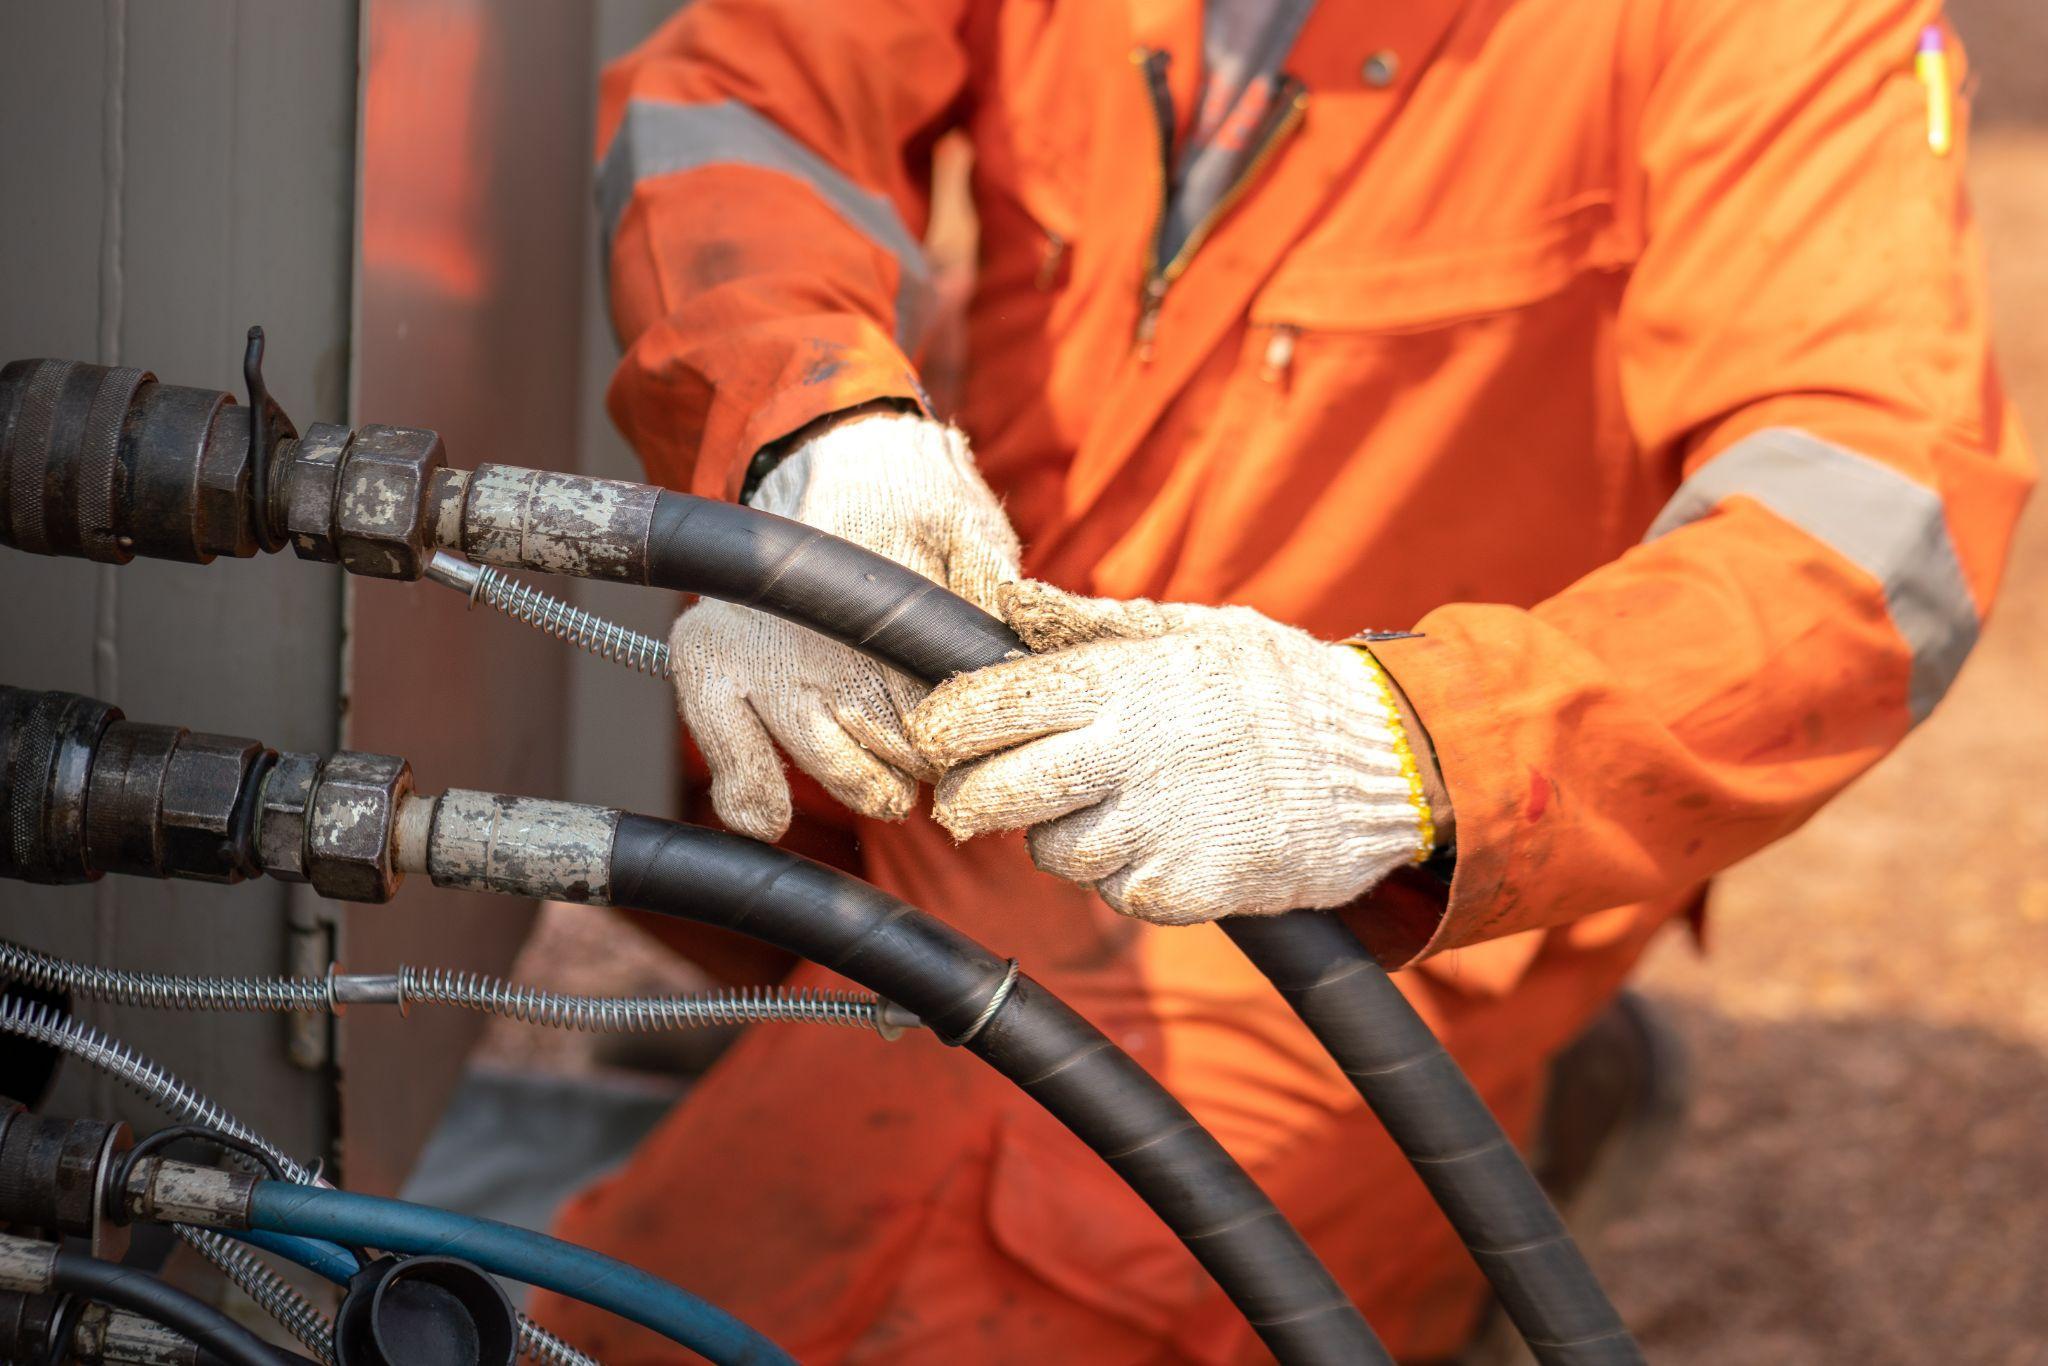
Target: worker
(1631,354)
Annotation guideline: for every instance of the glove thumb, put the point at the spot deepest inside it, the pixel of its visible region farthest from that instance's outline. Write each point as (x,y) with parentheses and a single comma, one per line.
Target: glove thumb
(1050,618)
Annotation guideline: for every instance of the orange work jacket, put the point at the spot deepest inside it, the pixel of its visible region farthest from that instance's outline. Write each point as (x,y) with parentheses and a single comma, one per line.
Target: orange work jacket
(1633,351)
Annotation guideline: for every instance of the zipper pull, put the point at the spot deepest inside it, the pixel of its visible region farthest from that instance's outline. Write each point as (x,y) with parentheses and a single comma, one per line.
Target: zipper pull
(1148,316)
(1049,264)
(1279,357)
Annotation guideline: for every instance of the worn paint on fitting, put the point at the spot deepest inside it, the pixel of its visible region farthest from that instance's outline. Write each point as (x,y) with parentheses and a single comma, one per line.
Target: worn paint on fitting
(445,495)
(25,1264)
(281,827)
(558,523)
(168,1192)
(136,1341)
(522,846)
(350,826)
(380,511)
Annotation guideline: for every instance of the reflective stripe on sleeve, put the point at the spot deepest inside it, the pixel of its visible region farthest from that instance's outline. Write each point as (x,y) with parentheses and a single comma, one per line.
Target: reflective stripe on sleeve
(1870,514)
(657,139)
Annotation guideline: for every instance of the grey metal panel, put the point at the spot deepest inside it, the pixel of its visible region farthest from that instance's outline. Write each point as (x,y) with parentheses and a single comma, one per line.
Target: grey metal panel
(170,174)
(474,175)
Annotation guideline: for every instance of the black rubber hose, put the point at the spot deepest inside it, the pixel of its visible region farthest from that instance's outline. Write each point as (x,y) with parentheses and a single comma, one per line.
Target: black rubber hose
(138,1292)
(798,573)
(1060,1060)
(1348,1001)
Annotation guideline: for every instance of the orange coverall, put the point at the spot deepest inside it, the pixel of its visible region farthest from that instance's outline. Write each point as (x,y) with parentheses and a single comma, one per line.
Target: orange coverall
(1634,351)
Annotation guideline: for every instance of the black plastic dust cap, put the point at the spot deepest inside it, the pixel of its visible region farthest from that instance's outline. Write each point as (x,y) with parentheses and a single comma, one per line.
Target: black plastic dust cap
(425,1311)
(47,740)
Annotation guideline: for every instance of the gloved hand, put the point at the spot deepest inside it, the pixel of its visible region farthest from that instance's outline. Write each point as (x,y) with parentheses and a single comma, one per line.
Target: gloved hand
(903,486)
(1187,762)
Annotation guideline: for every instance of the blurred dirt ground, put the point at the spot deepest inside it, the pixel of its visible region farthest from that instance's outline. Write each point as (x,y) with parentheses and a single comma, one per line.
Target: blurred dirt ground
(1865,1178)
(1866,1175)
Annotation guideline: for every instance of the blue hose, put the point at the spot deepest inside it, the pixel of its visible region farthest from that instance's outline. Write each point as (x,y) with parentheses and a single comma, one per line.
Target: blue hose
(521,1254)
(334,1263)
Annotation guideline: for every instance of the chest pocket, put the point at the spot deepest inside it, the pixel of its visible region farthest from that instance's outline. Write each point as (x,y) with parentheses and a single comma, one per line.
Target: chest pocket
(1413,283)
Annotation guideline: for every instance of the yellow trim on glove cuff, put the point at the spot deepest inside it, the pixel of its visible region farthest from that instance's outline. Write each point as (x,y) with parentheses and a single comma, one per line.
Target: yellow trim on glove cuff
(1418,796)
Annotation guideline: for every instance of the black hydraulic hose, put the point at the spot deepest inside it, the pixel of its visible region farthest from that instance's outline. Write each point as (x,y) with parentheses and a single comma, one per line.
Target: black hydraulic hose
(138,1292)
(756,559)
(1347,1000)
(1439,1122)
(968,995)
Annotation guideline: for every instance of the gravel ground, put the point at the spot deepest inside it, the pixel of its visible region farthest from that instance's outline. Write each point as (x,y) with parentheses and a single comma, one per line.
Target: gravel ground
(1865,1178)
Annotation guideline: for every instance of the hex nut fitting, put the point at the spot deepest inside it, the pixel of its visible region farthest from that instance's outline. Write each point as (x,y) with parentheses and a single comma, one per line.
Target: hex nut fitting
(381,521)
(202,790)
(350,826)
(309,485)
(281,828)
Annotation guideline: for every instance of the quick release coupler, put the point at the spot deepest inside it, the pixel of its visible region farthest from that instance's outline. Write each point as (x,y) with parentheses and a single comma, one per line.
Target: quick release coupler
(108,463)
(87,792)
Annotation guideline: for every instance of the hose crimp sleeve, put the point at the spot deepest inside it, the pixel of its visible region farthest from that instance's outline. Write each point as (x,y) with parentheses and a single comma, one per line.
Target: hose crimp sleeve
(522,846)
(25,1264)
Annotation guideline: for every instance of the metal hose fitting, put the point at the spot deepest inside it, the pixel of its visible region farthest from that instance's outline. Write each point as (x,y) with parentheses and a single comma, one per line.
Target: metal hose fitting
(52,1028)
(550,615)
(48,1026)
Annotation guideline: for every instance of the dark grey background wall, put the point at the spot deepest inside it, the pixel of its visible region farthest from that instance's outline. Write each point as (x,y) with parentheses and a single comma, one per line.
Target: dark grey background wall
(400,191)
(169,174)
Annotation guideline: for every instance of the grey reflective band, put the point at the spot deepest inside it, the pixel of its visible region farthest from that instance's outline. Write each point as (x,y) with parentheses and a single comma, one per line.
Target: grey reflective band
(658,139)
(1870,514)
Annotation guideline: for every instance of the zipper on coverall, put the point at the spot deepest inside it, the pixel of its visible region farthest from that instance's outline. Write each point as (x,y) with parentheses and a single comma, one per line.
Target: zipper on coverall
(1290,104)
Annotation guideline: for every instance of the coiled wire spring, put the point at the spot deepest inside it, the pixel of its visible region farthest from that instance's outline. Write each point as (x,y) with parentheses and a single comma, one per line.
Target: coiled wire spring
(271,1292)
(585,630)
(465,990)
(51,1027)
(281,995)
(638,1014)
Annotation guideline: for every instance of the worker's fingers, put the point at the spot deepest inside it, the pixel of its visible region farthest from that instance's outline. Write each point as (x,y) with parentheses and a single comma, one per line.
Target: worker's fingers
(1153,889)
(1049,618)
(802,719)
(901,692)
(748,789)
(872,707)
(1088,845)
(981,556)
(1029,785)
(1003,705)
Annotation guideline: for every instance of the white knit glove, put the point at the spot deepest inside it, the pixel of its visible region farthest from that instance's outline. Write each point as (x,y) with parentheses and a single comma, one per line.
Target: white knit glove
(901,485)
(1187,762)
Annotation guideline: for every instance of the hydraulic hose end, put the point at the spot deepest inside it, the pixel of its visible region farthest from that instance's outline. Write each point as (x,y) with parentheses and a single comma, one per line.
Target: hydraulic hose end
(54,1178)
(159,1190)
(47,743)
(105,463)
(27,1324)
(87,792)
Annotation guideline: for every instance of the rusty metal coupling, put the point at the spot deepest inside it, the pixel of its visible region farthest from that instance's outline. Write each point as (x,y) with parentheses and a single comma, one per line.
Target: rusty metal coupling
(363,499)
(52,1175)
(93,793)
